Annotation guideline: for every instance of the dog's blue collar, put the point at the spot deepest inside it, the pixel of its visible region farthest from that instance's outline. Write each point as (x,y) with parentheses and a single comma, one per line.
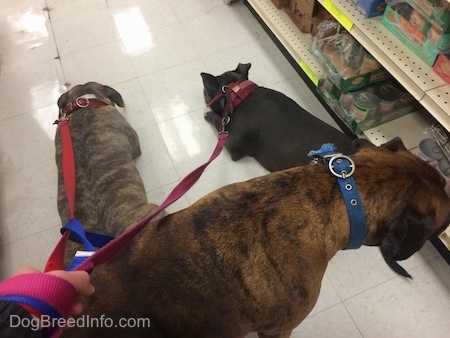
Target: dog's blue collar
(343,168)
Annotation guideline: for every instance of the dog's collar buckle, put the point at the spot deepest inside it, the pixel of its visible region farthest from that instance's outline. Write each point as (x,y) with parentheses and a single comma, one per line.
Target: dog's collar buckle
(340,165)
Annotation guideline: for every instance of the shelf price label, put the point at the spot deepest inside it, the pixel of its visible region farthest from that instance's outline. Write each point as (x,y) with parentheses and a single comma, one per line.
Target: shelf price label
(336,12)
(312,76)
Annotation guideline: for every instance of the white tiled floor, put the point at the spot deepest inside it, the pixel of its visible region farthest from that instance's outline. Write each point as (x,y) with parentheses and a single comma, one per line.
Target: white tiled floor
(153,52)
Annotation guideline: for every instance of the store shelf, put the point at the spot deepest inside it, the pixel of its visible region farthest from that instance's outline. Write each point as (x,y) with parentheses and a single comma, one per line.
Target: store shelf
(295,47)
(408,128)
(417,77)
(407,68)
(287,33)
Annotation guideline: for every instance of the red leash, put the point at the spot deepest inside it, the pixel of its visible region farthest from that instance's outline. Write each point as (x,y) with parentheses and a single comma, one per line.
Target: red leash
(68,158)
(56,262)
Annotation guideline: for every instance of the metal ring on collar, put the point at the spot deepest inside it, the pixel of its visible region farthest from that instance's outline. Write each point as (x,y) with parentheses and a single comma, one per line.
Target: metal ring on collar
(224,89)
(343,174)
(82,102)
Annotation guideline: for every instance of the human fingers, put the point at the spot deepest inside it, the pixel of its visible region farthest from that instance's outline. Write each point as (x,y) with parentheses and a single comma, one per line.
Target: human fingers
(79,279)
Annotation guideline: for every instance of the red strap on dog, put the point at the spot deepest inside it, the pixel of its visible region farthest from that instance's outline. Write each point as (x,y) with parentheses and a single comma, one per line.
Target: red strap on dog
(80,103)
(68,165)
(56,260)
(237,92)
(240,90)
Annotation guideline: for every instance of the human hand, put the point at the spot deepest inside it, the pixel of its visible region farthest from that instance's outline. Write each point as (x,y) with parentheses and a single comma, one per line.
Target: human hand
(79,279)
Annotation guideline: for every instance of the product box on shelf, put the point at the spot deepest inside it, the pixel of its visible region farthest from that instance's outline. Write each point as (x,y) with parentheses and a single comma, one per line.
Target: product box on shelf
(369,107)
(301,20)
(419,32)
(442,67)
(435,11)
(370,8)
(281,3)
(348,65)
(307,14)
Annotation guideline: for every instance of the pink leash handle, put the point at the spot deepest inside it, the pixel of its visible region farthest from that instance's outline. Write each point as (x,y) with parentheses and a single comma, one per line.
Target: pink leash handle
(43,294)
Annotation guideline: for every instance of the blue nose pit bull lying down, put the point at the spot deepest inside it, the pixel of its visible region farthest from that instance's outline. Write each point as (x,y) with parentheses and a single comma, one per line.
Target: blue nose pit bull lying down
(268,125)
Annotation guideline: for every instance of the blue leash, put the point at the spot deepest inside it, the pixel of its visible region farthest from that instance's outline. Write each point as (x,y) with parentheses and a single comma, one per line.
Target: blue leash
(89,240)
(343,168)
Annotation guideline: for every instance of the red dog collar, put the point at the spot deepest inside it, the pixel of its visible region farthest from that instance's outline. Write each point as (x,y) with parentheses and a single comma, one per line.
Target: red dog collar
(239,90)
(80,103)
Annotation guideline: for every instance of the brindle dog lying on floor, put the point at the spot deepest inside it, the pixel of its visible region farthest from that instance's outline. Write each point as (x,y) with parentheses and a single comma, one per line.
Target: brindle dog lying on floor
(110,194)
(247,257)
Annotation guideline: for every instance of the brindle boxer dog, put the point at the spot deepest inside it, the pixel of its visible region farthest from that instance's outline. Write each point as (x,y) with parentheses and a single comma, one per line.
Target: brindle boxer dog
(251,256)
(268,125)
(110,194)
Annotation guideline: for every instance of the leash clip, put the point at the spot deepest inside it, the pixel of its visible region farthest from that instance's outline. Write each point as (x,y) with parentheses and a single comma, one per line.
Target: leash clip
(338,159)
(225,121)
(63,117)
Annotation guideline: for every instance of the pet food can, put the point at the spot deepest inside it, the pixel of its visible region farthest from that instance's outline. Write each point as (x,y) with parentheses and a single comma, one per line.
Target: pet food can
(363,106)
(444,167)
(388,96)
(429,150)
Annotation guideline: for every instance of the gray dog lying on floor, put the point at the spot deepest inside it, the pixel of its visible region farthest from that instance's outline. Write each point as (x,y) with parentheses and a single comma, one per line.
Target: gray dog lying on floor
(268,125)
(247,257)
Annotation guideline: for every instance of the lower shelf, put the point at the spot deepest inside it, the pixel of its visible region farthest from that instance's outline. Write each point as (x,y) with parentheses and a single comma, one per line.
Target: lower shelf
(294,46)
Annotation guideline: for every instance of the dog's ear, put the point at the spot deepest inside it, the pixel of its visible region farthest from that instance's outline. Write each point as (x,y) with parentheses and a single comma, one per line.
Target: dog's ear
(100,90)
(405,237)
(360,143)
(243,69)
(63,100)
(113,95)
(394,145)
(70,95)
(210,82)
